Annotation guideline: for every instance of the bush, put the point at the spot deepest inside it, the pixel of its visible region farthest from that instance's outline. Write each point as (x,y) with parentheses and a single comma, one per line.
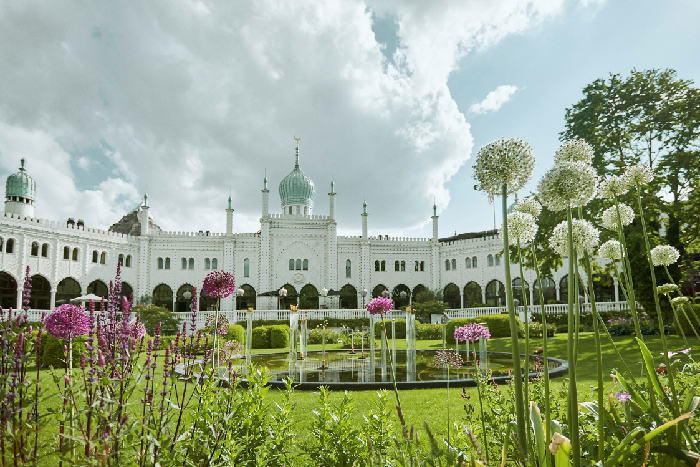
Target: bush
(52,353)
(499,325)
(236,332)
(312,323)
(279,336)
(151,315)
(261,338)
(400,329)
(332,337)
(428,331)
(359,337)
(536,330)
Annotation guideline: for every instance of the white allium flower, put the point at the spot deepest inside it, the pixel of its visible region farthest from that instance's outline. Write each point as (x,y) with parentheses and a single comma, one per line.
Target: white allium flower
(639,175)
(680,301)
(612,249)
(574,151)
(610,216)
(613,186)
(521,226)
(666,288)
(504,161)
(529,206)
(585,237)
(568,184)
(664,255)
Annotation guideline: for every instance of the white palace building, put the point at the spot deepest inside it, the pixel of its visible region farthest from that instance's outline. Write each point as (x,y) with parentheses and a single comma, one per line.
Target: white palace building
(295,249)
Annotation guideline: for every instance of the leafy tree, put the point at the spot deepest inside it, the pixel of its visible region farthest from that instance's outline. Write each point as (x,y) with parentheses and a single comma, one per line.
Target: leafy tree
(427,295)
(151,315)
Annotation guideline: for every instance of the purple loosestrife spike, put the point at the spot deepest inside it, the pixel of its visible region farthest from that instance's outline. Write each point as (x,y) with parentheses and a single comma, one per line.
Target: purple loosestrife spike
(67,380)
(26,291)
(82,360)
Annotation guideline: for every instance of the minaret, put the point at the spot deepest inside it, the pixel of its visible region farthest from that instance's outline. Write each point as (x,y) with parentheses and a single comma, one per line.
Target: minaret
(265,198)
(144,216)
(332,201)
(229,217)
(20,193)
(364,220)
(435,223)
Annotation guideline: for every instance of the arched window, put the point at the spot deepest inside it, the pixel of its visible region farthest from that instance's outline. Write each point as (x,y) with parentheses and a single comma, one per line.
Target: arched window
(399,302)
(190,263)
(94,256)
(498,260)
(564,289)
(468,263)
(376,265)
(184,263)
(348,269)
(291,298)
(0,244)
(45,250)
(66,252)
(377,291)
(454,264)
(383,265)
(41,293)
(403,266)
(495,293)
(167,263)
(10,245)
(489,260)
(298,267)
(128,261)
(121,260)
(207,263)
(520,289)
(472,294)
(291,265)
(549,291)
(474,262)
(98,288)
(160,263)
(8,291)
(348,297)
(416,266)
(451,296)
(396,265)
(182,303)
(103,258)
(308,298)
(416,290)
(35,249)
(248,299)
(246,267)
(422,265)
(75,254)
(67,290)
(306,265)
(214,263)
(447,265)
(604,288)
(163,297)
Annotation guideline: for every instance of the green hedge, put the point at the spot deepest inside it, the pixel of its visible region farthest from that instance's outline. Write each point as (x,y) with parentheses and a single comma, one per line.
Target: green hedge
(312,323)
(586,317)
(428,331)
(400,329)
(279,336)
(261,338)
(52,353)
(498,325)
(236,332)
(693,314)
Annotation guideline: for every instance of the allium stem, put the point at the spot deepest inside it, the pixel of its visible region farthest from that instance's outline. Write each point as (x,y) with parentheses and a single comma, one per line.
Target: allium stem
(573,393)
(527,338)
(631,300)
(515,348)
(668,273)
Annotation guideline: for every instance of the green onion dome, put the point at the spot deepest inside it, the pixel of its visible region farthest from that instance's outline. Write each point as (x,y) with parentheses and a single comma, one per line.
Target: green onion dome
(297,188)
(20,184)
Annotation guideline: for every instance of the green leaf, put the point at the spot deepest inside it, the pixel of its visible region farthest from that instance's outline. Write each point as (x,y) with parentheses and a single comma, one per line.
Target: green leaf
(649,363)
(538,428)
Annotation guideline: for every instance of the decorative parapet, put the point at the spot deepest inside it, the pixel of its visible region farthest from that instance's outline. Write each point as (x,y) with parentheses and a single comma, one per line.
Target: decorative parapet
(34,221)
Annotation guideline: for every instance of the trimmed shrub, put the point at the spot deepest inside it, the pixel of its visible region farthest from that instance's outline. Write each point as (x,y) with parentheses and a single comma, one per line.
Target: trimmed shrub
(428,331)
(499,325)
(536,330)
(52,353)
(279,336)
(235,332)
(400,329)
(332,337)
(261,338)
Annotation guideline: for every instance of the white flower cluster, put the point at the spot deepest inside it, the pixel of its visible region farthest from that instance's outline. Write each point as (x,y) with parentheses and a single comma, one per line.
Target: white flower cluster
(639,175)
(568,184)
(664,255)
(612,249)
(610,216)
(574,151)
(666,288)
(680,301)
(613,186)
(585,237)
(504,162)
(521,226)
(529,206)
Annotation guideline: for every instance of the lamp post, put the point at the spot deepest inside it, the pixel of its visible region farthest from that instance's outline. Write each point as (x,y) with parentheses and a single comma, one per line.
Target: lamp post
(187,295)
(403,295)
(282,293)
(239,293)
(324,294)
(364,293)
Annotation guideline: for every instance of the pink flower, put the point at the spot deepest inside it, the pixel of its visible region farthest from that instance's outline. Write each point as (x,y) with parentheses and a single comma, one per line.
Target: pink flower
(219,284)
(622,396)
(67,321)
(380,305)
(447,358)
(471,332)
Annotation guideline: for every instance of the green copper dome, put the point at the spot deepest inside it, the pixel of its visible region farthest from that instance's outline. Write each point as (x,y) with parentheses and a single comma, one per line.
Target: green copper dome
(297,187)
(21,184)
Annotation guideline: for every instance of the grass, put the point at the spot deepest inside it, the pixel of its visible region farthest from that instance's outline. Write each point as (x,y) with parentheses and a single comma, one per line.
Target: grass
(429,405)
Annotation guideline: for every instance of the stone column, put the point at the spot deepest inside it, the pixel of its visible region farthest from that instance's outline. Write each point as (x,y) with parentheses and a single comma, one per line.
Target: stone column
(52,302)
(617,290)
(461,299)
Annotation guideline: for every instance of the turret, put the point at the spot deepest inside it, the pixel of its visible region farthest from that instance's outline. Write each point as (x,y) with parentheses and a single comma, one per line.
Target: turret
(435,223)
(265,198)
(20,193)
(332,201)
(229,217)
(364,220)
(144,216)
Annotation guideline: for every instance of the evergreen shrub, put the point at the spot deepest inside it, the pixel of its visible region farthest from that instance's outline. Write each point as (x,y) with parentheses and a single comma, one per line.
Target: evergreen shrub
(499,325)
(279,336)
(52,353)
(261,338)
(235,332)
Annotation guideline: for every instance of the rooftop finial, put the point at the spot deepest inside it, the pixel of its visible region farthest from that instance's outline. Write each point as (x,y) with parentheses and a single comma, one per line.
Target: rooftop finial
(229,198)
(296,162)
(332,186)
(434,207)
(265,181)
(23,160)
(364,204)
(145,199)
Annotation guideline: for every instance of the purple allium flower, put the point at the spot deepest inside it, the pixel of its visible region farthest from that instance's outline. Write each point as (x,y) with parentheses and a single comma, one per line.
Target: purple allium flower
(380,305)
(218,284)
(447,358)
(622,396)
(67,321)
(471,332)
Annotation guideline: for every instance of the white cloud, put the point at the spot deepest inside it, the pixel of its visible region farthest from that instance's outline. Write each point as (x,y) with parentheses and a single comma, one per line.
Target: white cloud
(83,162)
(194,98)
(494,100)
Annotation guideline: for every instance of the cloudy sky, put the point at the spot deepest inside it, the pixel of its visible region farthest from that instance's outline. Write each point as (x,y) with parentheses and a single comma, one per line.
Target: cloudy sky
(391,99)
